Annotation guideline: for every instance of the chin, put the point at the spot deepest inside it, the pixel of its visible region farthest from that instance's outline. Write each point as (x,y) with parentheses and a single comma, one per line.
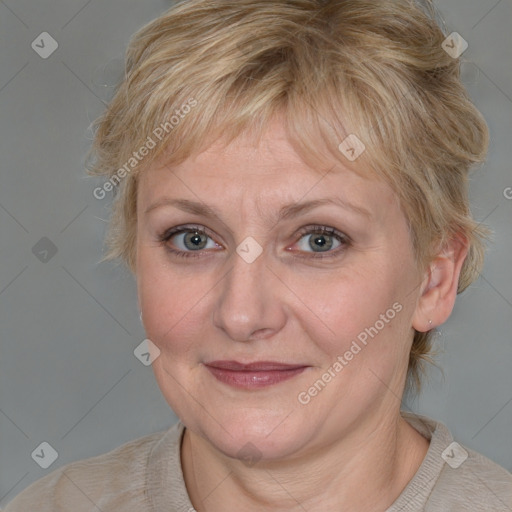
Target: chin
(252,449)
(253,436)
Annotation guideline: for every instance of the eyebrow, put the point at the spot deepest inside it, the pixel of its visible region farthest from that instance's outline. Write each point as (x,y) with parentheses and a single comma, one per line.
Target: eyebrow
(286,212)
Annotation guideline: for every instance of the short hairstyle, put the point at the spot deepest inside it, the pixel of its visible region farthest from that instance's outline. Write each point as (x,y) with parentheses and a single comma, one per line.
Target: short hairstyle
(211,69)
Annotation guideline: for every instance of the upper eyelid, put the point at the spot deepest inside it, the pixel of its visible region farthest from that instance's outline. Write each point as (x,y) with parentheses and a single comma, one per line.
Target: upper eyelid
(177,230)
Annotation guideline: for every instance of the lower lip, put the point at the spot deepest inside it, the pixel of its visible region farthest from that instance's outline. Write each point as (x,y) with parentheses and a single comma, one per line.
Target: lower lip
(253,380)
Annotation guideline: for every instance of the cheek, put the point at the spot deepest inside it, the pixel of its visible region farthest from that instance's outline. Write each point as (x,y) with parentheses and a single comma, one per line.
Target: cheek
(172,304)
(365,348)
(344,306)
(362,318)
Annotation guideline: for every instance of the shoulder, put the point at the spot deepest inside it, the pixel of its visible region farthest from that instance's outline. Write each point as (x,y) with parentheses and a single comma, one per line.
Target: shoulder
(111,481)
(470,481)
(453,477)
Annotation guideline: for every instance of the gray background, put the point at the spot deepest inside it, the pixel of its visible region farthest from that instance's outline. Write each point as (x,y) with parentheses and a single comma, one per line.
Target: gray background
(69,325)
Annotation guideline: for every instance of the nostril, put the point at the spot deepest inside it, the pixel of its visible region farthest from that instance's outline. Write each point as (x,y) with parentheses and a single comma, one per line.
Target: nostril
(261,333)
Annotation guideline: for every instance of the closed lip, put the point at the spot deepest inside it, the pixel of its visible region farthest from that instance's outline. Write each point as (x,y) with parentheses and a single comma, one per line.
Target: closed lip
(257,366)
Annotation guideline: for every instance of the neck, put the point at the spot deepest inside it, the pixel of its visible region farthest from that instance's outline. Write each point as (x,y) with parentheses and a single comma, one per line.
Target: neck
(366,470)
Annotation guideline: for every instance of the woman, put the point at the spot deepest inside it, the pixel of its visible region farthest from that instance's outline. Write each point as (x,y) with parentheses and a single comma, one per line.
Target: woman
(292,200)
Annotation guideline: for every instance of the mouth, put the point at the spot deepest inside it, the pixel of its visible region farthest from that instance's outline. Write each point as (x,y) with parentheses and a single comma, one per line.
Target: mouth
(254,375)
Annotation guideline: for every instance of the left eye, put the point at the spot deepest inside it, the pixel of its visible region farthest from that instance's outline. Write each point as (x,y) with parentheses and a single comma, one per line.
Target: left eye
(319,241)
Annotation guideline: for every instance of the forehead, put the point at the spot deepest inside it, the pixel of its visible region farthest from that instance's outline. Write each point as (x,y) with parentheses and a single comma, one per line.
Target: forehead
(261,171)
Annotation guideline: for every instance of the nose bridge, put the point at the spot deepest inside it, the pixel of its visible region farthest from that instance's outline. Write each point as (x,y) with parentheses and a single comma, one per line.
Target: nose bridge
(247,304)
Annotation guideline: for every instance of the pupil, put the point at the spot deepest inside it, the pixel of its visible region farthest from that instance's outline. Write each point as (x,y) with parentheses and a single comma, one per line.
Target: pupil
(320,242)
(194,241)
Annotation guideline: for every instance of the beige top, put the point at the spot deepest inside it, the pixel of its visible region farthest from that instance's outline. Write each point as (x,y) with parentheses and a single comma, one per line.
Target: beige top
(145,475)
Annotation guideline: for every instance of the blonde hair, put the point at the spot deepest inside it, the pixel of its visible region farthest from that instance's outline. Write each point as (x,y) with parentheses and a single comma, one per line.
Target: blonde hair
(211,68)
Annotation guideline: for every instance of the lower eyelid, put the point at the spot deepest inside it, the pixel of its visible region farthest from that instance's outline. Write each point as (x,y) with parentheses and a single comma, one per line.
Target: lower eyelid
(322,254)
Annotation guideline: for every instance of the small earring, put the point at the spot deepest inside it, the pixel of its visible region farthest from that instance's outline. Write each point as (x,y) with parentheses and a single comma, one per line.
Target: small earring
(430,324)
(140,316)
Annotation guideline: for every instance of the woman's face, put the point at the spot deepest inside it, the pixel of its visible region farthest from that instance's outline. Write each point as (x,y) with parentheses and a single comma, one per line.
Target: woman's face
(247,255)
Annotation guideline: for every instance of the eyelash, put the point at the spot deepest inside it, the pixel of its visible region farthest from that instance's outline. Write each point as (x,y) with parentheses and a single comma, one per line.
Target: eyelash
(309,230)
(167,235)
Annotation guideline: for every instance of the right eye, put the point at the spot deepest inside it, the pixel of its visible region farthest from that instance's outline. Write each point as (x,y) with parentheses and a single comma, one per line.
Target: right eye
(183,241)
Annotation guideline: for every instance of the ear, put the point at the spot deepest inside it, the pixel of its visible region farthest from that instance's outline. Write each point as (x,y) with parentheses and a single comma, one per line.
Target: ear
(439,286)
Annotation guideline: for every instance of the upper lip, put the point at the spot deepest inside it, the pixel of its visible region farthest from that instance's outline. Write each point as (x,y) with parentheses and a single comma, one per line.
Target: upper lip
(257,366)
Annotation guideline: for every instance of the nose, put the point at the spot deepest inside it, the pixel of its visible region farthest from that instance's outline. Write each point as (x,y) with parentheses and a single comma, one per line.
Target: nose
(248,306)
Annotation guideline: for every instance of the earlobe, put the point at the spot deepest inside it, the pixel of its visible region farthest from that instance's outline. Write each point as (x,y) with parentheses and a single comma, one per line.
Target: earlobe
(439,287)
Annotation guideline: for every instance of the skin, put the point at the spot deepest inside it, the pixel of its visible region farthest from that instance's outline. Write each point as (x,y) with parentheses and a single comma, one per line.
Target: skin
(348,448)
